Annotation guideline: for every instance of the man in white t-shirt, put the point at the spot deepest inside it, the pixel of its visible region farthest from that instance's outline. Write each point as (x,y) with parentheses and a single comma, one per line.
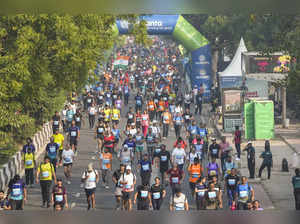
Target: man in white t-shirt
(90,178)
(92,115)
(128,181)
(179,157)
(68,158)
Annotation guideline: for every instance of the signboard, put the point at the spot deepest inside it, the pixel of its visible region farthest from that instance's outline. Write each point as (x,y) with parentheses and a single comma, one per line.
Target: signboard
(268,64)
(230,122)
(232,101)
(249,120)
(257,88)
(231,82)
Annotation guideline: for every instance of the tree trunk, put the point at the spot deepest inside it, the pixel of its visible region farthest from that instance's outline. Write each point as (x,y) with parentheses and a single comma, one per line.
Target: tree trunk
(214,66)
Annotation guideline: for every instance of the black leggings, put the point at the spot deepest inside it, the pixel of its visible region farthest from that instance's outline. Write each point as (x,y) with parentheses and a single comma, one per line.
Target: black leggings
(29,176)
(263,166)
(45,187)
(156,203)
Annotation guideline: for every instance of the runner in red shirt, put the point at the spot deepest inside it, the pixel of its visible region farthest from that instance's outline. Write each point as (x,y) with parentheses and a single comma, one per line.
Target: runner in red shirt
(175,176)
(237,141)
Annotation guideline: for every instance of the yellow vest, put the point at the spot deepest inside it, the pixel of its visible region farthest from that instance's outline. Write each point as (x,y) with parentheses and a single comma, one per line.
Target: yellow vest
(115,114)
(46,171)
(29,160)
(59,140)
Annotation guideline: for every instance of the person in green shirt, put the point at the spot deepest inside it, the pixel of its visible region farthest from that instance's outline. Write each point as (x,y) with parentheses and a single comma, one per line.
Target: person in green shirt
(296,185)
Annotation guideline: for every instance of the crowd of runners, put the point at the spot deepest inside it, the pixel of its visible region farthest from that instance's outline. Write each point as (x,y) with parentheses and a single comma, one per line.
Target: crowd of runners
(131,112)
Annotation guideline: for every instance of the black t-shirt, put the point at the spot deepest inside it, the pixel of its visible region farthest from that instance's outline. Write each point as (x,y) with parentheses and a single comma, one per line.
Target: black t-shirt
(56,120)
(143,192)
(214,150)
(232,181)
(164,157)
(117,174)
(157,191)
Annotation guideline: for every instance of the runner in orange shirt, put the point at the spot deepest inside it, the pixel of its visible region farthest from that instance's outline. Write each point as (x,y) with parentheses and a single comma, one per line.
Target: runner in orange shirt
(161,108)
(151,108)
(195,172)
(106,165)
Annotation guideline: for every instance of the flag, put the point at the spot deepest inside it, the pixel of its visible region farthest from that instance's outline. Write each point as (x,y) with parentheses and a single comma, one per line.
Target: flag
(121,62)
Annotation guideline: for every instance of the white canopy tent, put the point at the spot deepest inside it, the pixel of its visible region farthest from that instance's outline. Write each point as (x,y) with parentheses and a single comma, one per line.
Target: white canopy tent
(232,75)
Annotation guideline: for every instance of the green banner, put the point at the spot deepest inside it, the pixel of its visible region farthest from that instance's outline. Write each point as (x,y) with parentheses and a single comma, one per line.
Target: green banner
(249,120)
(264,120)
(188,35)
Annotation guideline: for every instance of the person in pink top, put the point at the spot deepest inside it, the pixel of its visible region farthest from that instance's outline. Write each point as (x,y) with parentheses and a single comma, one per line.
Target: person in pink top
(145,122)
(225,150)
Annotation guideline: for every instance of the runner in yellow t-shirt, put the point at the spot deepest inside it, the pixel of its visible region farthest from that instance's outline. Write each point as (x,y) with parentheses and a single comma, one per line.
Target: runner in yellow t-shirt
(59,139)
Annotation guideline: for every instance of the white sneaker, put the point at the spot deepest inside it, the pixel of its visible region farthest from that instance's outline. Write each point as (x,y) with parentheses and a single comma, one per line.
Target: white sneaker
(68,182)
(237,158)
(107,187)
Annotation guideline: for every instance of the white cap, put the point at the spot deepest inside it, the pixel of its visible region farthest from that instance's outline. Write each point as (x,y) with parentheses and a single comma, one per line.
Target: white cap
(125,146)
(249,142)
(128,167)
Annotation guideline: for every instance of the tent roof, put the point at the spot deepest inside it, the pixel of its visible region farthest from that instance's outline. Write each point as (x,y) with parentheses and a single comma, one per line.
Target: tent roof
(234,68)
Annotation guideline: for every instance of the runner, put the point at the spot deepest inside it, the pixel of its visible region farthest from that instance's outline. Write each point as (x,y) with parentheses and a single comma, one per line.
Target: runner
(17,193)
(106,166)
(52,149)
(128,180)
(195,172)
(175,176)
(200,190)
(4,202)
(158,193)
(212,198)
(243,194)
(142,197)
(59,196)
(68,159)
(178,201)
(139,141)
(74,135)
(92,115)
(99,135)
(59,140)
(45,175)
(213,169)
(145,170)
(231,183)
(90,178)
(296,186)
(118,191)
(179,156)
(56,121)
(29,165)
(166,121)
(164,161)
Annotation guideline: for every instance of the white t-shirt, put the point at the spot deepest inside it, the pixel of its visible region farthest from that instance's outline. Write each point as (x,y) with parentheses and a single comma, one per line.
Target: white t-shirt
(178,202)
(90,182)
(92,110)
(192,156)
(179,154)
(129,179)
(73,107)
(178,109)
(155,130)
(67,156)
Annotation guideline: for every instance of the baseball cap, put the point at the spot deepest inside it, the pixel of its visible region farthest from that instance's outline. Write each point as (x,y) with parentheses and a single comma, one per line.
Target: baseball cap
(128,167)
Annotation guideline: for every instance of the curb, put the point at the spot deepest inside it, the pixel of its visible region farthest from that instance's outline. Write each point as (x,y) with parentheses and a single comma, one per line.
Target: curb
(13,166)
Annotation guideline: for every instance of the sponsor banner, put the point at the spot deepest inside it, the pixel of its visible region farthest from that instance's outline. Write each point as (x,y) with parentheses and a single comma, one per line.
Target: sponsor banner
(156,24)
(232,101)
(231,81)
(201,68)
(186,33)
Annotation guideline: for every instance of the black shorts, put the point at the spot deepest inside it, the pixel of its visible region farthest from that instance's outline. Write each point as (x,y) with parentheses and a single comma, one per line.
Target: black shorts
(68,164)
(73,141)
(192,186)
(89,192)
(126,195)
(100,136)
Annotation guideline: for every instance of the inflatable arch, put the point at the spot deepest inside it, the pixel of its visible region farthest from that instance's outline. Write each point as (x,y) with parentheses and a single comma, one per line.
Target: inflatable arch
(191,39)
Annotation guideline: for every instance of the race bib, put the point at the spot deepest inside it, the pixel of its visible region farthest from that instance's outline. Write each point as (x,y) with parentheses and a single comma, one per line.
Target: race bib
(151,106)
(16,192)
(212,195)
(179,207)
(106,161)
(52,149)
(59,198)
(56,123)
(89,100)
(200,193)
(175,180)
(144,194)
(215,151)
(67,160)
(73,133)
(45,174)
(231,182)
(157,150)
(128,186)
(77,119)
(163,158)
(92,179)
(212,173)
(145,167)
(243,194)
(28,162)
(116,116)
(156,195)
(100,130)
(195,175)
(130,116)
